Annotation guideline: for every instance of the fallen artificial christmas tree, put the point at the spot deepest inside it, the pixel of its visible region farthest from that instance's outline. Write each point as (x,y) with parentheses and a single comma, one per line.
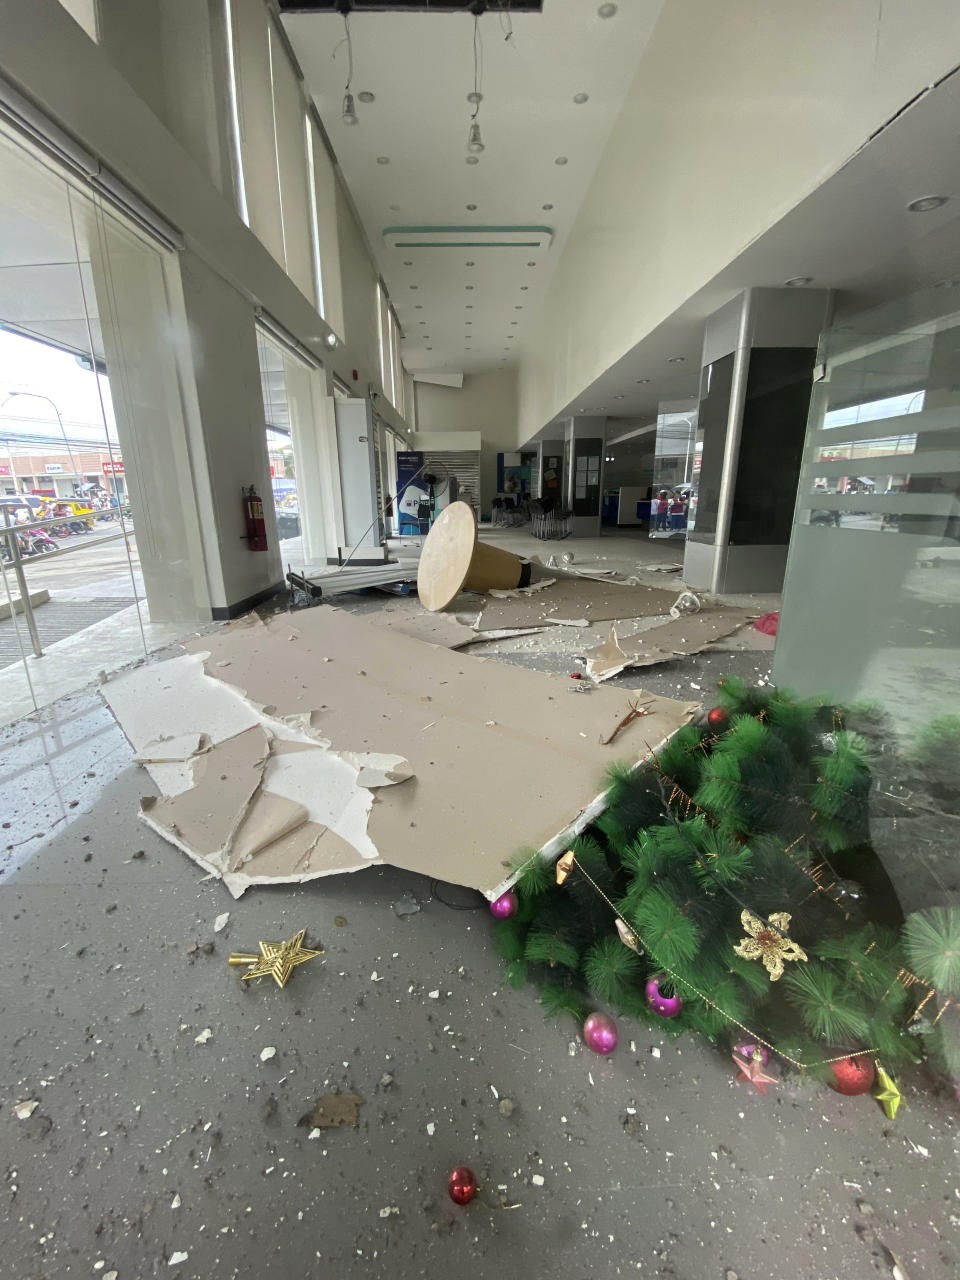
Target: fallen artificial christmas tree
(718,892)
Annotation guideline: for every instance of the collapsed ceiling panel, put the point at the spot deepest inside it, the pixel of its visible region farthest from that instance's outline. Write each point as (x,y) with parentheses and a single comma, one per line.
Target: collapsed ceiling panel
(471,759)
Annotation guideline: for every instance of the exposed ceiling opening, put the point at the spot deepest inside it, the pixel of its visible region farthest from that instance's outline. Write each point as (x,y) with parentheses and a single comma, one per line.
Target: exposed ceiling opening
(544,89)
(410,6)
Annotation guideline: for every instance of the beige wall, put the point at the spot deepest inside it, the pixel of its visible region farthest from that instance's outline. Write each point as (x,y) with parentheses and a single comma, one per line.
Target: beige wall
(358,283)
(737,112)
(486,403)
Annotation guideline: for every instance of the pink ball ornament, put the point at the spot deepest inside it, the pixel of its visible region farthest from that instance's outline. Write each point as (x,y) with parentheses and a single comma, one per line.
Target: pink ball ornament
(600,1033)
(746,1049)
(505,906)
(665,1006)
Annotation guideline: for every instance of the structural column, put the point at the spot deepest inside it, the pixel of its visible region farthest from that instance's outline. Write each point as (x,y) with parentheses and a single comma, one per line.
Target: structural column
(583,473)
(756,376)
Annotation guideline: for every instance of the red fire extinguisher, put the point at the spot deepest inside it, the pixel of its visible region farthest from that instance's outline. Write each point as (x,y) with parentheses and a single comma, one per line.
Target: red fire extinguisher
(256,534)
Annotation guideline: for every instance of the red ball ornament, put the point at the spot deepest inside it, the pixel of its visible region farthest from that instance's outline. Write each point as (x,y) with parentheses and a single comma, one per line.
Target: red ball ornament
(853,1075)
(462,1185)
(717,717)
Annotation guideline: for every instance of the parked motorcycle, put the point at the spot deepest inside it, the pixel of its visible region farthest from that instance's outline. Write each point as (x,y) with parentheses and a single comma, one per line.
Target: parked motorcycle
(40,544)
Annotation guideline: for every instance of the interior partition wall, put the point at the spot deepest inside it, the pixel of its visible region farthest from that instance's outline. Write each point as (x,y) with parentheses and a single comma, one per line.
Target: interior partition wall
(871,614)
(872,595)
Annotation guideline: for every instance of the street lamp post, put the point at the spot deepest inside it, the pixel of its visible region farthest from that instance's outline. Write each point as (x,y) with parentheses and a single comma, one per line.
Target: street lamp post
(37,395)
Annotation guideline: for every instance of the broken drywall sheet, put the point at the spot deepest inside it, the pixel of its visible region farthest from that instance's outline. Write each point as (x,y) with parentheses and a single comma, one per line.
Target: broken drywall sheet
(270,803)
(517,593)
(577,598)
(502,756)
(438,628)
(607,659)
(663,643)
(175,750)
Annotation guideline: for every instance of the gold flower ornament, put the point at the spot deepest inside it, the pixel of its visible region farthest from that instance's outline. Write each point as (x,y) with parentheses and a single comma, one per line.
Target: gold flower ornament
(768,942)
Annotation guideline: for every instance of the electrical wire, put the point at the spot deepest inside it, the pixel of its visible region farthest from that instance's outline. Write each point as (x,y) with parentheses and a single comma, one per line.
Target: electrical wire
(477,66)
(348,41)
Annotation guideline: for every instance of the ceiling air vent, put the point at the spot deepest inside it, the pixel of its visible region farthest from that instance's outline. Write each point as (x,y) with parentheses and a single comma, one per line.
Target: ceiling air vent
(467,237)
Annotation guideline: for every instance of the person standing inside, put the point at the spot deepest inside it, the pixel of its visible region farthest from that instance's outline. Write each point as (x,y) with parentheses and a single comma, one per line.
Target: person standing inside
(663,508)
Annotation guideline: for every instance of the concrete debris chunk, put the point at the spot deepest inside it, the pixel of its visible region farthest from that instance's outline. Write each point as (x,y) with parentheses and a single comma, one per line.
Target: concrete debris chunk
(333,1110)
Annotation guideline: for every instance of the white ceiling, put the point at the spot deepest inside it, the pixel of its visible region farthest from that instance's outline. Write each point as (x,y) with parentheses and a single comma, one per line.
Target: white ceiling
(419,66)
(854,234)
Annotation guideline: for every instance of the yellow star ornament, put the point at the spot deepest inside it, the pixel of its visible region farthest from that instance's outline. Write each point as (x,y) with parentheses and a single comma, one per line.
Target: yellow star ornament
(276,960)
(768,942)
(888,1095)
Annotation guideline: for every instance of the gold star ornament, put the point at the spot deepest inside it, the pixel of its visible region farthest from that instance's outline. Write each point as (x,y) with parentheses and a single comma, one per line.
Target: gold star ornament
(277,960)
(887,1094)
(768,942)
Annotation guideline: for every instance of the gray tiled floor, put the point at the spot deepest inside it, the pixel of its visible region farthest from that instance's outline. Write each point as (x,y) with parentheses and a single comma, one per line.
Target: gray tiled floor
(146,1143)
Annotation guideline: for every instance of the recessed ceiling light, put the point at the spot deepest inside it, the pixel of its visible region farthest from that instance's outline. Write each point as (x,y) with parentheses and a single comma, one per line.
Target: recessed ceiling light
(579,98)
(414,286)
(548,207)
(418,306)
(366,96)
(524,288)
(619,397)
(560,160)
(469,306)
(676,360)
(474,97)
(471,207)
(426,337)
(408,263)
(473,159)
(606,11)
(642,382)
(429,348)
(469,288)
(468,322)
(421,322)
(797,282)
(531,264)
(471,264)
(514,321)
(383,159)
(518,307)
(923,204)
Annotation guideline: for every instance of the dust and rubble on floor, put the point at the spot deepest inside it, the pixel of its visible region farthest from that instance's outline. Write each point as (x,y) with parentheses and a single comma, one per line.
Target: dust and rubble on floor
(165,1115)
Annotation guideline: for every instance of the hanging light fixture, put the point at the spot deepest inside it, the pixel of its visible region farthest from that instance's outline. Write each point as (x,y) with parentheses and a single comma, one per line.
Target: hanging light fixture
(348,110)
(474,139)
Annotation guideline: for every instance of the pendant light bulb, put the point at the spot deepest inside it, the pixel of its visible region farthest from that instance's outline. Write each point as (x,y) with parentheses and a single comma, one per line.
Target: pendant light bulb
(474,141)
(348,113)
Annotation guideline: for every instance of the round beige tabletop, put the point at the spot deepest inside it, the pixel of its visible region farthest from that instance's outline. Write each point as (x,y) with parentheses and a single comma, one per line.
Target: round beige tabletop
(446,555)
